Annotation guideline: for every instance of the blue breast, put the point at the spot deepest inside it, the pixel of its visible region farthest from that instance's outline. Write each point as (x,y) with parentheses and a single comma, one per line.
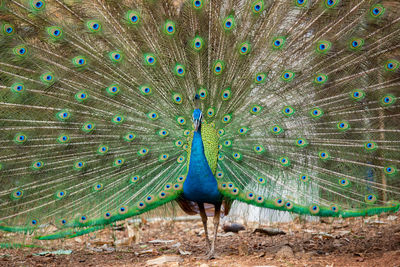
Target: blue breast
(200,184)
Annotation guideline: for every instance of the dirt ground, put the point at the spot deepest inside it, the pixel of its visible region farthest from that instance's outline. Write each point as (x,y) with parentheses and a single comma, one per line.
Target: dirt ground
(373,241)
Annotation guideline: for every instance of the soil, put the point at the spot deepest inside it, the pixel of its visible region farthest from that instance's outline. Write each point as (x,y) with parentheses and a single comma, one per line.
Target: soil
(373,241)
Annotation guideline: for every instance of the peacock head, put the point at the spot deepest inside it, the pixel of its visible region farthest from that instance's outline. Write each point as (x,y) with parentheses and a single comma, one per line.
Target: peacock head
(197,116)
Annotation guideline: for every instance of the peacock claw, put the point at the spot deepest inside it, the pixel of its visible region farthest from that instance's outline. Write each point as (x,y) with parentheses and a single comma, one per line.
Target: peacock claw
(210,255)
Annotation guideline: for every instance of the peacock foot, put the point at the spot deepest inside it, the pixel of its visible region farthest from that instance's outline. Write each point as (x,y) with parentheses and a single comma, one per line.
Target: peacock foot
(210,255)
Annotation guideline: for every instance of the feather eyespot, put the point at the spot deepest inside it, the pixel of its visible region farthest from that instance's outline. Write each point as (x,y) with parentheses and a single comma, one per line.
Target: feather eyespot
(117,119)
(377,10)
(390,170)
(197,4)
(314,209)
(226,94)
(388,100)
(210,112)
(141,205)
(331,3)
(304,178)
(370,199)
(260,78)
(180,159)
(392,65)
(98,187)
(163,132)
(145,90)
(88,127)
(143,151)
(323,47)
(250,196)
(235,191)
(181,120)
(197,43)
(134,179)
(278,202)
(20,50)
(132,17)
(123,210)
(79,61)
(8,29)
(62,139)
(276,129)
(202,92)
(356,44)
(284,161)
(79,165)
(261,180)
(227,118)
(257,7)
(38,5)
(118,162)
(81,96)
(278,42)
(163,157)
(227,143)
(320,78)
(83,219)
(115,56)
(17,88)
(301,3)
(37,165)
(229,23)
(17,194)
(243,130)
(237,156)
(357,95)
(152,116)
(244,48)
(370,146)
(129,137)
(316,113)
(93,26)
(289,205)
(324,155)
(343,126)
(301,142)
(54,32)
(288,111)
(20,138)
(287,76)
(344,182)
(179,70)
(260,199)
(113,90)
(150,59)
(334,208)
(177,98)
(178,187)
(259,149)
(47,78)
(169,27)
(255,109)
(218,67)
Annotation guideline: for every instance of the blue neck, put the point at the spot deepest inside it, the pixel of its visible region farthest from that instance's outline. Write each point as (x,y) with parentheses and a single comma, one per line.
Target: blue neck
(200,184)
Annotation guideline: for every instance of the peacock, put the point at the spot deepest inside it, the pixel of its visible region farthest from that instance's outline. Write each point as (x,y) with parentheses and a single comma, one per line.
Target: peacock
(110,109)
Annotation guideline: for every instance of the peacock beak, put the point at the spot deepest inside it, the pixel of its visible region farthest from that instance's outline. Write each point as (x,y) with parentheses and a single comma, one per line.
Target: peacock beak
(196,124)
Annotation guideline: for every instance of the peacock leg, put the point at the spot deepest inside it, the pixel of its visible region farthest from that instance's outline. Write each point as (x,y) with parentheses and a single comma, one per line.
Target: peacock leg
(204,220)
(216,223)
